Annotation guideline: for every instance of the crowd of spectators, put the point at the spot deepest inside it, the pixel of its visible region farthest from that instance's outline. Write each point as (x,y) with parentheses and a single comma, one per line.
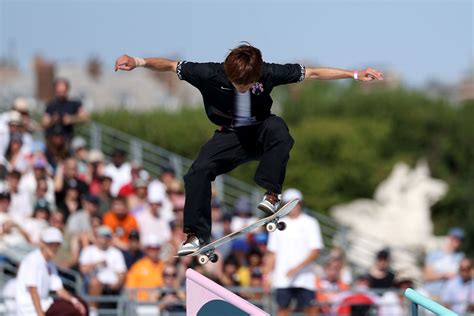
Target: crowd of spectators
(120,228)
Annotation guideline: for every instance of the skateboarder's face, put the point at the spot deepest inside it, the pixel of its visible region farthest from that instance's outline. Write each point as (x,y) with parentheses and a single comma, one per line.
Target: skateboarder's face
(242,88)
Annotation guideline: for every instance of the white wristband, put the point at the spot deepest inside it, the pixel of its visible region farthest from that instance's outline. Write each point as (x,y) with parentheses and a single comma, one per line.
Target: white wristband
(356,75)
(139,62)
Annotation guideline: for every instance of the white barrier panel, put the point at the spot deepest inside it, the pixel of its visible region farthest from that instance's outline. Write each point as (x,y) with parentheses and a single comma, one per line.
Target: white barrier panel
(205,297)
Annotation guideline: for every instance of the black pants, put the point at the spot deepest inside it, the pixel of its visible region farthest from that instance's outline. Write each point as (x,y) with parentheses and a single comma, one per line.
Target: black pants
(269,141)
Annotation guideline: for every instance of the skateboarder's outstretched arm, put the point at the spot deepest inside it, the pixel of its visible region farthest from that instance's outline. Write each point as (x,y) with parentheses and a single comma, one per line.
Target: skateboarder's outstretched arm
(326,73)
(128,63)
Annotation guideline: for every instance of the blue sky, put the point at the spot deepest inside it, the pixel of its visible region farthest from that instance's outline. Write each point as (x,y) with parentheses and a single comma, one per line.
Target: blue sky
(421,39)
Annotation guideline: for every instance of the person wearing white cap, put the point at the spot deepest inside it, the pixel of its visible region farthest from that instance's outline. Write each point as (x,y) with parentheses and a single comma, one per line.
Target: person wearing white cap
(103,266)
(37,276)
(147,272)
(290,257)
(150,221)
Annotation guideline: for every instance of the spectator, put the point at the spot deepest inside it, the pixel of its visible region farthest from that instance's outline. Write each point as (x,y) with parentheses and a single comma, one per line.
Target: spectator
(243,214)
(121,222)
(29,182)
(81,154)
(330,284)
(80,222)
(62,111)
(134,251)
(137,172)
(38,275)
(66,176)
(57,146)
(11,234)
(14,127)
(119,170)
(103,266)
(96,170)
(458,294)
(337,253)
(38,222)
(137,200)
(22,106)
(150,221)
(104,195)
(293,275)
(169,249)
(441,265)
(70,204)
(21,206)
(167,176)
(16,154)
(172,298)
(147,272)
(230,277)
(380,275)
(175,191)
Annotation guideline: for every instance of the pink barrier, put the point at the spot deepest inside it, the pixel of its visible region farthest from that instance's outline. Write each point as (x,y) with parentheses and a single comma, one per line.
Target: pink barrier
(200,291)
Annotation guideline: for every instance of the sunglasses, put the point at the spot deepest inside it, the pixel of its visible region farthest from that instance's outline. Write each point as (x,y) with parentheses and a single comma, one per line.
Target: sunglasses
(169,275)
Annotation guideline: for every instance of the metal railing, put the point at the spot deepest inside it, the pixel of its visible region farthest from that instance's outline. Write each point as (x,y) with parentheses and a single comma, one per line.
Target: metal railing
(420,300)
(153,158)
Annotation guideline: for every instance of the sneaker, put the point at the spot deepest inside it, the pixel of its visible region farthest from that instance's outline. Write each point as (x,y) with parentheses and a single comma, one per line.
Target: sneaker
(190,245)
(270,203)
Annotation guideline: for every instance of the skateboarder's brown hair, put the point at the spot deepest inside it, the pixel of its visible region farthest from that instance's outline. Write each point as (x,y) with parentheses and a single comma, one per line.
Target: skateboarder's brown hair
(243,65)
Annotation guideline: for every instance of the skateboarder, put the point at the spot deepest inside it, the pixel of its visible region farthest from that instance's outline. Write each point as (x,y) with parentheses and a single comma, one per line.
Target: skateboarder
(236,95)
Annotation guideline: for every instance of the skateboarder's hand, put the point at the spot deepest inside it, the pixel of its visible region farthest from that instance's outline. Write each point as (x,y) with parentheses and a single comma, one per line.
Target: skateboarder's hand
(125,62)
(369,74)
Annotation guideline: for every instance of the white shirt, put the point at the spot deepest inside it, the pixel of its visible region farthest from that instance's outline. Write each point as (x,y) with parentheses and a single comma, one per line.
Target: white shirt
(152,225)
(21,206)
(243,111)
(291,247)
(35,271)
(120,176)
(28,185)
(113,258)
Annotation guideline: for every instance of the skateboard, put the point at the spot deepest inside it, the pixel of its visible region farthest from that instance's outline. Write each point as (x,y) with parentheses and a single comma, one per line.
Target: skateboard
(272,222)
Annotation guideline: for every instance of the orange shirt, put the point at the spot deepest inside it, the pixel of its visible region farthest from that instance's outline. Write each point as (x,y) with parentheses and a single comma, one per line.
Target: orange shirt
(120,227)
(145,274)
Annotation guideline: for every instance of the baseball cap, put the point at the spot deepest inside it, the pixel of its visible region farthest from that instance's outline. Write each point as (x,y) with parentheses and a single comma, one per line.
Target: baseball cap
(21,104)
(91,199)
(51,235)
(134,234)
(152,241)
(39,162)
(95,155)
(42,204)
(291,194)
(14,118)
(156,196)
(140,183)
(457,232)
(104,231)
(78,143)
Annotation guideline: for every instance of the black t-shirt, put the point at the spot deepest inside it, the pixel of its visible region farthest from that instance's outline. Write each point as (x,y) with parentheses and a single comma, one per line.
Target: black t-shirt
(62,107)
(383,283)
(219,94)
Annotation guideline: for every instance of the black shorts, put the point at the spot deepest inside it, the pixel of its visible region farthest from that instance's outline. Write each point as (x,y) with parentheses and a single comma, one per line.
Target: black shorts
(304,297)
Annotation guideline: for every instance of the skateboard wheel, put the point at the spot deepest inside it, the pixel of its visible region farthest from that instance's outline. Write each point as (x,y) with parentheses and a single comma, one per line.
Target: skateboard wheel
(203,259)
(281,226)
(213,258)
(271,227)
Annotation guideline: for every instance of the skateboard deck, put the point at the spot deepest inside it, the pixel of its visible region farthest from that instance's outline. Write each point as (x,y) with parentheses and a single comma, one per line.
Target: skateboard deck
(207,252)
